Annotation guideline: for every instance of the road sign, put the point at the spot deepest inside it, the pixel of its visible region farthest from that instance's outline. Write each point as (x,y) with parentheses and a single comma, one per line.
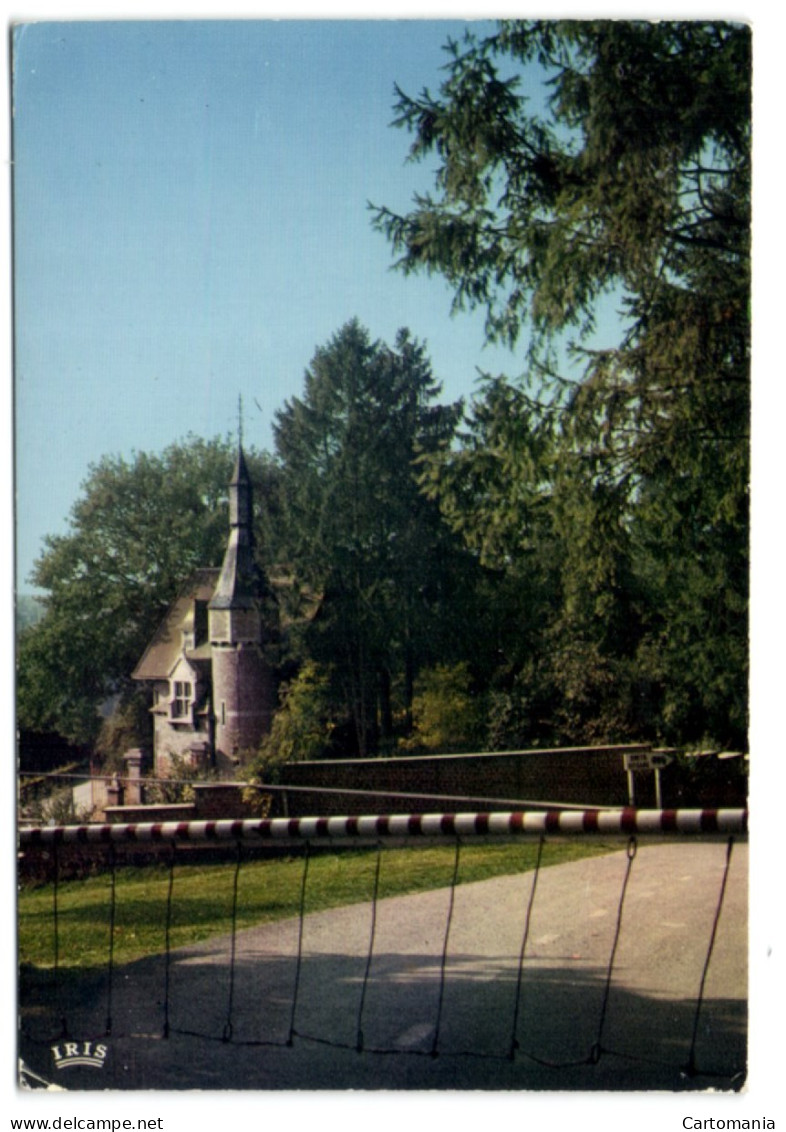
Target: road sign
(646,760)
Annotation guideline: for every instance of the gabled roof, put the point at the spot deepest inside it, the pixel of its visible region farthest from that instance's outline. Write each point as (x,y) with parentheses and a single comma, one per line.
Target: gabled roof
(161,654)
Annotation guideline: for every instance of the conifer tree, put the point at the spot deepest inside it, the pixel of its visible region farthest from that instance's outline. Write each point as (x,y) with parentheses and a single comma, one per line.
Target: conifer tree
(360,531)
(632,183)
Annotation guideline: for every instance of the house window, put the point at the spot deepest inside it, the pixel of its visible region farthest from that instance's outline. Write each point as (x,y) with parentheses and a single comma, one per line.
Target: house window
(181,701)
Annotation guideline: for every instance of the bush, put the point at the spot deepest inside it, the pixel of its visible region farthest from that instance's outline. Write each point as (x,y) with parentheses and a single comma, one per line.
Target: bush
(302,726)
(447,714)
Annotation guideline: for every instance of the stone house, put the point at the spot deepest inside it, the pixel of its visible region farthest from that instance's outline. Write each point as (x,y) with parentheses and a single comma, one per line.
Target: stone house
(208,665)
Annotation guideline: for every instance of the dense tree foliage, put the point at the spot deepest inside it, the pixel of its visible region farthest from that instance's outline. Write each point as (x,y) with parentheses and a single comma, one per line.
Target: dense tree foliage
(139,529)
(303,725)
(633,182)
(359,530)
(447,712)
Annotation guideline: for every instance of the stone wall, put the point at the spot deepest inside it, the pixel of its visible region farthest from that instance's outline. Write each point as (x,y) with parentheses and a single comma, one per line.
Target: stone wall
(243,700)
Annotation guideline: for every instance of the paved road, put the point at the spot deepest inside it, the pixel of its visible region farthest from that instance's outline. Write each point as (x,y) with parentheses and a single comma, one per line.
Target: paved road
(566,1038)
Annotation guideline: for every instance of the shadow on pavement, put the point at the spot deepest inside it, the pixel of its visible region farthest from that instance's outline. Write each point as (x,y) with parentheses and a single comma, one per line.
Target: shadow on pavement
(231,1031)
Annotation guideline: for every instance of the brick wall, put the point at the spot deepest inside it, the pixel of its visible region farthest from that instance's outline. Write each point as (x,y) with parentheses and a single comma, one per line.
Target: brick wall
(584,776)
(212,801)
(176,811)
(580,776)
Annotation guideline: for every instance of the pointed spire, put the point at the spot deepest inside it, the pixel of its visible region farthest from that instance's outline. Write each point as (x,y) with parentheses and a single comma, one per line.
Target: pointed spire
(238,582)
(240,496)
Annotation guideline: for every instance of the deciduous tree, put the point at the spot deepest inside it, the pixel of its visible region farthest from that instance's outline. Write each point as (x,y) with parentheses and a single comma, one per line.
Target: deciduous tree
(139,529)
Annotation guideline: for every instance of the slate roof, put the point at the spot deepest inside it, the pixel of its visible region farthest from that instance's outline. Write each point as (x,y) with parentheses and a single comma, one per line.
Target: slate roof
(240,583)
(166,646)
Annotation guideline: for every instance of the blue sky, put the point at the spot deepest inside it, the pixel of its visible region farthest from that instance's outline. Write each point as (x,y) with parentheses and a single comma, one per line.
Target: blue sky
(190,223)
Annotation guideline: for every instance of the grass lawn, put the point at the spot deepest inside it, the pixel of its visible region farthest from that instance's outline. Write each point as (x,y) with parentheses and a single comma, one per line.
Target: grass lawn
(268,889)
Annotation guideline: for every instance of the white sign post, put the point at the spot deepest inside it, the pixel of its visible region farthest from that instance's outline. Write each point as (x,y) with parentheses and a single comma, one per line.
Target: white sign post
(646,760)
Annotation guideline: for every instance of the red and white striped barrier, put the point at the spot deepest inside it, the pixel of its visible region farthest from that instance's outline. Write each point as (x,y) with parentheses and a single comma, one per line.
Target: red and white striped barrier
(375,827)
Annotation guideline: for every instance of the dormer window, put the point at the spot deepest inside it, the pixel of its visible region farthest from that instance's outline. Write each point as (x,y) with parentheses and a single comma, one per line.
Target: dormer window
(181,699)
